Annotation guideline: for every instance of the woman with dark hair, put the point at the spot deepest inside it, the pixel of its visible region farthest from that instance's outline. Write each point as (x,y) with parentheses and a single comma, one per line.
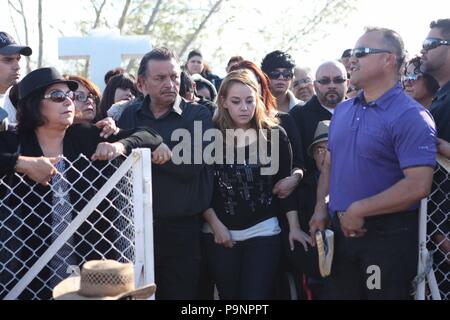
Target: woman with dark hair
(46,150)
(120,88)
(195,65)
(418,85)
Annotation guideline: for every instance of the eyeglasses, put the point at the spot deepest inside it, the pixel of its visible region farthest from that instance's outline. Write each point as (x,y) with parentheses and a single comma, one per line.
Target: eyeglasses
(275,74)
(337,80)
(319,150)
(59,96)
(412,77)
(362,52)
(431,43)
(83,97)
(302,81)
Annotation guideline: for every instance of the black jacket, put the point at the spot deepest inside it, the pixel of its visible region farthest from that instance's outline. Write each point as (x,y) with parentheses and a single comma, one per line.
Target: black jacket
(179,190)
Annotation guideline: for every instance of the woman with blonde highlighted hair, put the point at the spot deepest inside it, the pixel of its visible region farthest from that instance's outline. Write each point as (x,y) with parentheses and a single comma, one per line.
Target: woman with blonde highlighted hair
(242,231)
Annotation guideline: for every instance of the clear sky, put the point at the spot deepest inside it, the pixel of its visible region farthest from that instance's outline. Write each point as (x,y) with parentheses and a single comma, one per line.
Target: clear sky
(410,18)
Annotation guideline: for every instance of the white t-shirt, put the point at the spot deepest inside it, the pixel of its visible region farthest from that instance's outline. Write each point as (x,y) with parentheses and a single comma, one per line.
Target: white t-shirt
(6,105)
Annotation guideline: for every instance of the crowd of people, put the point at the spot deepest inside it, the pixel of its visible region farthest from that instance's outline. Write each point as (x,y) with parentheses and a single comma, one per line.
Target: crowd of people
(354,143)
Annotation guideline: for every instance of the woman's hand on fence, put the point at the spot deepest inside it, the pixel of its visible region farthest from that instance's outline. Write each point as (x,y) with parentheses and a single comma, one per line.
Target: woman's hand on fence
(162,154)
(108,126)
(108,151)
(38,169)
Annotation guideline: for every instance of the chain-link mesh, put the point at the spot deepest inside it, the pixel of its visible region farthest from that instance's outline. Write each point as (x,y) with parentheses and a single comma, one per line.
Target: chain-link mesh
(32,217)
(438,226)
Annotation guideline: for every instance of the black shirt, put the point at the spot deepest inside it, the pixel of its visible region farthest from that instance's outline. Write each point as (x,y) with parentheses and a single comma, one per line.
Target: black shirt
(440,109)
(179,190)
(243,196)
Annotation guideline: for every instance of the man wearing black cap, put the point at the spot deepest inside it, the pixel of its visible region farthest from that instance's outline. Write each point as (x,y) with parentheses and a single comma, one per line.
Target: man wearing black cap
(10,54)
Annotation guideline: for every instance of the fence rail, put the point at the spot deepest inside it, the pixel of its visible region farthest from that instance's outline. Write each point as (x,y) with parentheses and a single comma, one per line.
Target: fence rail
(434,238)
(92,210)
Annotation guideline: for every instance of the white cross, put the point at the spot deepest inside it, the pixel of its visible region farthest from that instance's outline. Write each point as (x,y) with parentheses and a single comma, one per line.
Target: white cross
(105,49)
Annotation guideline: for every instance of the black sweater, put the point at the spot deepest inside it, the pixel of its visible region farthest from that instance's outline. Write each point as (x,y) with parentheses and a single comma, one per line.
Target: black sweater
(243,197)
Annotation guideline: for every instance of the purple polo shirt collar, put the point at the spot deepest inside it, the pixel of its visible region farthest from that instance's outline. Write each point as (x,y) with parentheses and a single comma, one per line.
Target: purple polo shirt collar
(384,101)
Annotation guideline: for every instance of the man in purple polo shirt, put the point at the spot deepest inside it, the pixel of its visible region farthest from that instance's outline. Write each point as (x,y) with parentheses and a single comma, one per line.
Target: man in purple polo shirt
(382,149)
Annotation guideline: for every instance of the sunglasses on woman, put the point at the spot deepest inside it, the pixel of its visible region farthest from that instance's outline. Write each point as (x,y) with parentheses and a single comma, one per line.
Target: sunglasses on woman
(431,43)
(59,96)
(275,74)
(412,77)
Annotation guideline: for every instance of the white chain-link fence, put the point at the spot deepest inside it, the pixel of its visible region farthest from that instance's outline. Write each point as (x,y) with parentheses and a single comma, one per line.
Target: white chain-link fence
(92,210)
(434,238)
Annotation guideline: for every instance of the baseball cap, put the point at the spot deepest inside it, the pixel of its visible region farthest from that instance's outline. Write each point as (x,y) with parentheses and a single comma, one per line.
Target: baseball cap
(9,46)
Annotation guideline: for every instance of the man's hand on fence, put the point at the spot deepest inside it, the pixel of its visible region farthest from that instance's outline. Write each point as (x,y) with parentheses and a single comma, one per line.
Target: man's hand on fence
(108,151)
(38,169)
(162,154)
(108,126)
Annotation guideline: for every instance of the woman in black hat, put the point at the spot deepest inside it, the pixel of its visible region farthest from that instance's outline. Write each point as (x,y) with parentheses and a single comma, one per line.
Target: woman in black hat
(53,189)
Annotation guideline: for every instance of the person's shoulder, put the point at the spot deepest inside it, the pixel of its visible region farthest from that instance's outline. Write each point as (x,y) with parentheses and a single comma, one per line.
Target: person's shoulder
(195,110)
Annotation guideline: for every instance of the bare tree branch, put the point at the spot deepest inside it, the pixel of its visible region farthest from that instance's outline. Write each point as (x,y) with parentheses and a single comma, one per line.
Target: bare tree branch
(98,13)
(200,27)
(41,34)
(21,12)
(123,17)
(152,18)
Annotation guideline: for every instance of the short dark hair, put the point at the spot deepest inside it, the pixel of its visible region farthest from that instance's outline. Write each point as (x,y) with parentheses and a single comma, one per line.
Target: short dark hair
(443,25)
(186,83)
(160,54)
(29,115)
(123,81)
(430,82)
(234,59)
(277,59)
(113,72)
(194,53)
(393,41)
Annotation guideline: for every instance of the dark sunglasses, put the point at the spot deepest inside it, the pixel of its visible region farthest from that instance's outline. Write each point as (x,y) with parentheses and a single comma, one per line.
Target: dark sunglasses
(59,96)
(275,74)
(337,80)
(83,97)
(431,43)
(362,52)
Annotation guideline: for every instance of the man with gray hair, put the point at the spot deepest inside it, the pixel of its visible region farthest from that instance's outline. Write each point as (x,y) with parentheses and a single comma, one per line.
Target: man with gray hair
(302,86)
(10,55)
(330,85)
(379,165)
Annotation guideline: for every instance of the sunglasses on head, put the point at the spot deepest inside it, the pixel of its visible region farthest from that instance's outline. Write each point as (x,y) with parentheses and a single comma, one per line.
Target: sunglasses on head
(59,96)
(302,81)
(83,97)
(431,43)
(275,74)
(337,80)
(362,52)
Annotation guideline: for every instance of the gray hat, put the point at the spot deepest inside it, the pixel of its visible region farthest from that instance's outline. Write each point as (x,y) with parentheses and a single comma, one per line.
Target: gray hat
(9,46)
(320,135)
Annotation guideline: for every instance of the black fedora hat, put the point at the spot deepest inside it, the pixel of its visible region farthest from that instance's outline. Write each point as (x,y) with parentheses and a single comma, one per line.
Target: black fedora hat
(40,79)
(9,46)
